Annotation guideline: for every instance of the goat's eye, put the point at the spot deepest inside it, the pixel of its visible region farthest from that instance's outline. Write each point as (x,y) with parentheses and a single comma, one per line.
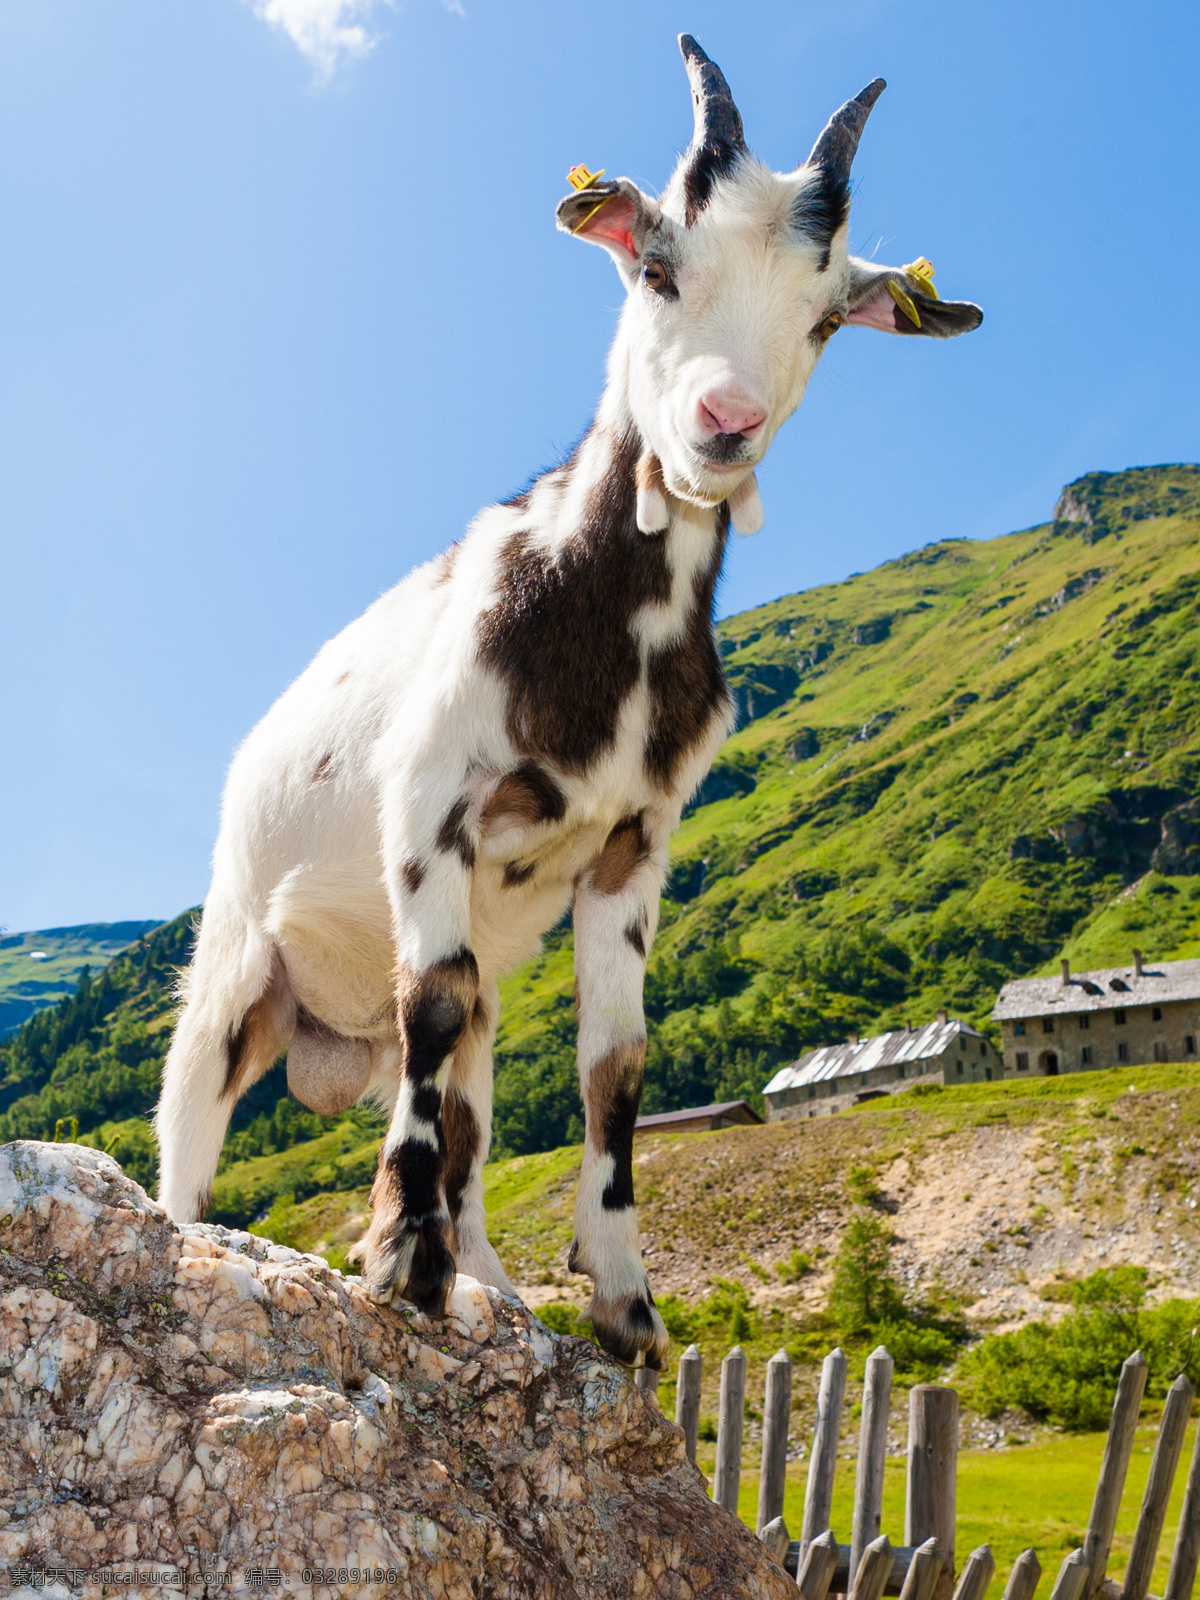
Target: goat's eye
(832,323)
(654,276)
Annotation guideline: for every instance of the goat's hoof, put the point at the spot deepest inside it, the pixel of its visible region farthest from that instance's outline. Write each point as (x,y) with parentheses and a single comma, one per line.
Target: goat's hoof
(629,1326)
(408,1259)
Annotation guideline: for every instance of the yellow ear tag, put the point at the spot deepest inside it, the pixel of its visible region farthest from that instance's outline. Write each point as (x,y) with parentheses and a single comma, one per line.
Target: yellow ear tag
(580,178)
(921,273)
(904,302)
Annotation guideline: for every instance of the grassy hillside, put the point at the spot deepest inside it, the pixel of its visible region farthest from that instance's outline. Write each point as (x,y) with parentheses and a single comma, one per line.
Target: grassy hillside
(952,769)
(38,968)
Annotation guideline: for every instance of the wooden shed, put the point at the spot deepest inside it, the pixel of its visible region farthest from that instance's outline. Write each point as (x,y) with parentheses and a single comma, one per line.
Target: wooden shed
(699,1119)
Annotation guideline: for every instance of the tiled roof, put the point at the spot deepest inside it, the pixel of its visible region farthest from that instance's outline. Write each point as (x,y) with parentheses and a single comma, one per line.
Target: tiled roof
(664,1119)
(843,1060)
(1105,990)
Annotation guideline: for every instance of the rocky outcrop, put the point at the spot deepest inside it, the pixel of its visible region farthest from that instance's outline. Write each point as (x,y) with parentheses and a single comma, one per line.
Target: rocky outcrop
(183,1400)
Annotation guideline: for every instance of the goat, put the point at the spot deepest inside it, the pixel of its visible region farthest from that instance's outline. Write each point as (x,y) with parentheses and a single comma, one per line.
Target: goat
(515,729)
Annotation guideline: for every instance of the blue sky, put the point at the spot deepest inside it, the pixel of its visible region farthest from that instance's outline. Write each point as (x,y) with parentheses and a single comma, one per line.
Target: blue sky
(282,304)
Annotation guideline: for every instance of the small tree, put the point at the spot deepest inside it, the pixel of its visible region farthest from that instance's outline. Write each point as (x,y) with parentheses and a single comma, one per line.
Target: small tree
(863,1293)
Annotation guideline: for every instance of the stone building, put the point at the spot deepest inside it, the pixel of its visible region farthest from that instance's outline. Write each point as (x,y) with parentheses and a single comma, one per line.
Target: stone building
(835,1076)
(1084,1021)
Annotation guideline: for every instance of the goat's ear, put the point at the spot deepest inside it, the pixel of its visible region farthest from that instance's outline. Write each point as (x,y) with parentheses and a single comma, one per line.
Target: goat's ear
(897,300)
(616,215)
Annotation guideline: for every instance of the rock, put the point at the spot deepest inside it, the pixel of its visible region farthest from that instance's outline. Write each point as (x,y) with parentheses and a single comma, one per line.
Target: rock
(191,1399)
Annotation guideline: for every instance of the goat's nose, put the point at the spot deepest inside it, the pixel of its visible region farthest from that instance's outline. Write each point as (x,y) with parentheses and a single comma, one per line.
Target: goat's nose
(730,411)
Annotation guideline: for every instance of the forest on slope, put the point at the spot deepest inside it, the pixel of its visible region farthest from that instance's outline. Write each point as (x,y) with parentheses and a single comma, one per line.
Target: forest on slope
(950,771)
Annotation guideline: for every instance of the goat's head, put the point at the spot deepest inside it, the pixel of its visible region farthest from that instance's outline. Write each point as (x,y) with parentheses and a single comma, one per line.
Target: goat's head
(736,279)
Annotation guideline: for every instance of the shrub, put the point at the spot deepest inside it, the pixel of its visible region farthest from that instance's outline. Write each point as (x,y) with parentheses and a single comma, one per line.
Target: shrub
(1068,1373)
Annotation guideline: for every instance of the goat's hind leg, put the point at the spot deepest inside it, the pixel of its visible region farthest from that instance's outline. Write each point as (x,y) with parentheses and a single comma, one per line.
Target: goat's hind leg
(224,1041)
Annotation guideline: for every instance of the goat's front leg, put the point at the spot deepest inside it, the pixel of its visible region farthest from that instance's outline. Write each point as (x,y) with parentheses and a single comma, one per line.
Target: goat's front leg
(616,912)
(429,852)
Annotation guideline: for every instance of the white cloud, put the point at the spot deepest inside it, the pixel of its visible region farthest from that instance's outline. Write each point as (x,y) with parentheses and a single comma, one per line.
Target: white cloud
(325,31)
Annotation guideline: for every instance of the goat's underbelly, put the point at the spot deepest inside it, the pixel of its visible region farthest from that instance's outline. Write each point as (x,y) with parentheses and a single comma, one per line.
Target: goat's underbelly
(333,931)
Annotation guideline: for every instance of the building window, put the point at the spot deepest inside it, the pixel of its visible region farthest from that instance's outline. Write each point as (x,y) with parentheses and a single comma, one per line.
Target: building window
(1189,1044)
(1160,1052)
(987,1072)
(1047,1024)
(1156,1014)
(1119,1019)
(982,1048)
(1122,1051)
(865,1081)
(1018,1028)
(1085,1056)
(958,1068)
(962,1043)
(812,1091)
(900,1070)
(1084,1020)
(1022,1061)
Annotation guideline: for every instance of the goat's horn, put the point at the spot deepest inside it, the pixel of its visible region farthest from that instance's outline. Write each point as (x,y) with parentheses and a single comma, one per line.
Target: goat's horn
(834,150)
(717,138)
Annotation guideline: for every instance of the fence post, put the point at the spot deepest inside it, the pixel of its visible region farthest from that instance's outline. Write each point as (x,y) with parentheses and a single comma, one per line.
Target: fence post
(777,1538)
(978,1571)
(646,1379)
(1024,1577)
(1167,1449)
(1187,1541)
(687,1398)
(1072,1577)
(728,1474)
(872,1452)
(817,1565)
(777,1403)
(923,1572)
(932,1476)
(873,1571)
(822,1461)
(1097,1542)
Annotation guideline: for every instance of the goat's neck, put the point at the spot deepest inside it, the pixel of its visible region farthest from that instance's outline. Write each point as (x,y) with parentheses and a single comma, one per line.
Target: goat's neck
(595,492)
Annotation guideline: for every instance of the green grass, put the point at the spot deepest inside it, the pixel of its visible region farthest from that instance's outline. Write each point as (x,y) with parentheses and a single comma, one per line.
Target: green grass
(1038,1494)
(28,985)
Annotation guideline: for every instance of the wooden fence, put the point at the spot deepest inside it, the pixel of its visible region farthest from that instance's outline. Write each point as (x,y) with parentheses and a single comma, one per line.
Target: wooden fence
(923,1567)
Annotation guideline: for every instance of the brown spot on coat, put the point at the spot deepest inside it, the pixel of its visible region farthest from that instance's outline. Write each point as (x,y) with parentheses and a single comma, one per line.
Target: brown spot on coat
(462,1146)
(614,1093)
(324,768)
(253,1046)
(453,836)
(527,795)
(625,850)
(686,683)
(649,474)
(559,634)
(444,565)
(516,873)
(434,1008)
(413,873)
